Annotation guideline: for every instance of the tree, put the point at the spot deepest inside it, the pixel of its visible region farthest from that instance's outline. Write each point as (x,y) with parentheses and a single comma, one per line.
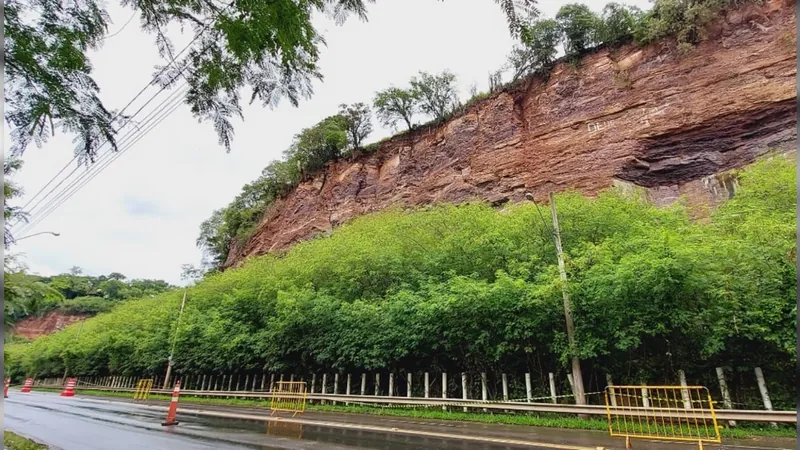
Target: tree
(191,273)
(437,94)
(538,49)
(618,23)
(580,28)
(395,104)
(270,47)
(10,190)
(358,123)
(75,270)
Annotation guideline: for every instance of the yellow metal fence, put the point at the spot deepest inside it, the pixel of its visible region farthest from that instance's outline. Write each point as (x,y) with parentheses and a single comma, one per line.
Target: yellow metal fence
(672,413)
(143,388)
(289,396)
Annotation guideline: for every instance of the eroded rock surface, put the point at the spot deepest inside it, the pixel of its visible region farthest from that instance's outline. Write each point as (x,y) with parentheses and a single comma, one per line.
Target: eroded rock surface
(647,116)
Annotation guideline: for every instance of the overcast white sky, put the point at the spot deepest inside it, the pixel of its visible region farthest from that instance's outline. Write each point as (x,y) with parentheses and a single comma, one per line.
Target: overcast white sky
(140,216)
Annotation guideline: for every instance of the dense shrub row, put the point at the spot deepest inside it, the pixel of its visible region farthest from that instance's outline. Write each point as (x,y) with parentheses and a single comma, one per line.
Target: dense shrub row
(470,287)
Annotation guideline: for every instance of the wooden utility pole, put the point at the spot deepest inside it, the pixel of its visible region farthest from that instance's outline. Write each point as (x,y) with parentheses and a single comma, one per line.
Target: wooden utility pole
(577,377)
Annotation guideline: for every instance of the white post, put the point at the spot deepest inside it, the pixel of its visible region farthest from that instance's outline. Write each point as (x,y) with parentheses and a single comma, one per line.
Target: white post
(484,391)
(263,380)
(291,378)
(505,387)
(363,384)
(553,387)
(391,384)
(336,383)
(444,389)
(347,388)
(377,384)
(762,386)
(271,381)
(408,384)
(427,385)
(246,380)
(528,387)
(464,388)
(612,396)
(324,382)
(313,382)
(203,383)
(687,402)
(726,395)
(645,398)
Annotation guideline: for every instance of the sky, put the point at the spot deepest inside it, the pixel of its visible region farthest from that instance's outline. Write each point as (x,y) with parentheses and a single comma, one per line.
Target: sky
(141,215)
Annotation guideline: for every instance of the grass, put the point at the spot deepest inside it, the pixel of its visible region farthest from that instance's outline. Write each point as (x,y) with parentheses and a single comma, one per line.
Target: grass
(743,431)
(14,441)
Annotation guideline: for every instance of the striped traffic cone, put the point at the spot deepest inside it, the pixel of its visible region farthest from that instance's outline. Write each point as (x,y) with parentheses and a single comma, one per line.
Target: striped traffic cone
(27,386)
(69,389)
(173,405)
(5,387)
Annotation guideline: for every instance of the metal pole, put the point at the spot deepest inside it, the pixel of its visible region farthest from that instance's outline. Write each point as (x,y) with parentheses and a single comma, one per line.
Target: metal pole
(174,341)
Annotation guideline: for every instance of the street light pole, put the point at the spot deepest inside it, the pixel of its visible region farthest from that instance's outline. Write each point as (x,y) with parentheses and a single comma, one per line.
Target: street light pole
(36,234)
(174,341)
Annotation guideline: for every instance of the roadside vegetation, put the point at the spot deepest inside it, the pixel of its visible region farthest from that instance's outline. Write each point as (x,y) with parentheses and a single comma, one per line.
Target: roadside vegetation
(476,289)
(13,441)
(575,31)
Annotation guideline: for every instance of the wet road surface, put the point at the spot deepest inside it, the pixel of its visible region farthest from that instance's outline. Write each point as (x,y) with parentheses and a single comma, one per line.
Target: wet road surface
(90,423)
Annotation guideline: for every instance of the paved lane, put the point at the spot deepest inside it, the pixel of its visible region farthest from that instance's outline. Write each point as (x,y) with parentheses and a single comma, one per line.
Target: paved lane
(89,423)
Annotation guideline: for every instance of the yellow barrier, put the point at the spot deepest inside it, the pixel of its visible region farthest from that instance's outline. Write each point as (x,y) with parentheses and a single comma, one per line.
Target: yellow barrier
(289,396)
(672,413)
(143,388)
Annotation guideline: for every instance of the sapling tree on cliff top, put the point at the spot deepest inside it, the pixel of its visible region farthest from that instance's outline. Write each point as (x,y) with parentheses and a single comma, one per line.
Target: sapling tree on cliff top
(395,104)
(437,95)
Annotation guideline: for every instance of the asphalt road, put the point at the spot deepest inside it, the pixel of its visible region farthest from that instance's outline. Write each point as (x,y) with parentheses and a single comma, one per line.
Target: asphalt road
(85,423)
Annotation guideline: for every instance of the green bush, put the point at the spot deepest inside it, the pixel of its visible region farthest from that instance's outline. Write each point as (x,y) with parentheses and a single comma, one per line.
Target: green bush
(86,306)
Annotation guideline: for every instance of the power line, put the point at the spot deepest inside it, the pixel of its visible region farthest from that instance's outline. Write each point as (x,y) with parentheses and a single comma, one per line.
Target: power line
(120,30)
(154,119)
(118,114)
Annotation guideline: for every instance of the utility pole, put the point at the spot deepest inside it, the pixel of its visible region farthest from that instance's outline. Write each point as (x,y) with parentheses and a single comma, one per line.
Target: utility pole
(577,383)
(174,341)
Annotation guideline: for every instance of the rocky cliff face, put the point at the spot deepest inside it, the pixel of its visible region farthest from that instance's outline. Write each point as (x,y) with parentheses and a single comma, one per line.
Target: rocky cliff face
(652,117)
(34,327)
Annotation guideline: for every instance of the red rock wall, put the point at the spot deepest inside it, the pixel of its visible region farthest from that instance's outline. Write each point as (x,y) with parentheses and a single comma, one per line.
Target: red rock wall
(648,116)
(33,327)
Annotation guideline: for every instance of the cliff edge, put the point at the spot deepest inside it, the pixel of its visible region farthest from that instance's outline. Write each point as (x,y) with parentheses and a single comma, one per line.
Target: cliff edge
(655,117)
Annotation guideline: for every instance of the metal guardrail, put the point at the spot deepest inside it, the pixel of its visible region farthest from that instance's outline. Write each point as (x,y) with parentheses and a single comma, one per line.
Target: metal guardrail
(596,410)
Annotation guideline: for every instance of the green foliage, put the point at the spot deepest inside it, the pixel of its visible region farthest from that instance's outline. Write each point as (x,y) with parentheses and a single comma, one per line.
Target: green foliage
(538,50)
(358,123)
(437,94)
(12,441)
(618,23)
(11,213)
(472,288)
(580,28)
(33,295)
(395,104)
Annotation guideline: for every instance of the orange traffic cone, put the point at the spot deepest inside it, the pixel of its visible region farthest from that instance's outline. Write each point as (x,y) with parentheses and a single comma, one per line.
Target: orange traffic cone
(27,386)
(5,387)
(173,405)
(69,389)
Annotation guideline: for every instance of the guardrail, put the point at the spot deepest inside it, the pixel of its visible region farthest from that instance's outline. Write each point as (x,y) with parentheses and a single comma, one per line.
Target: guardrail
(522,406)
